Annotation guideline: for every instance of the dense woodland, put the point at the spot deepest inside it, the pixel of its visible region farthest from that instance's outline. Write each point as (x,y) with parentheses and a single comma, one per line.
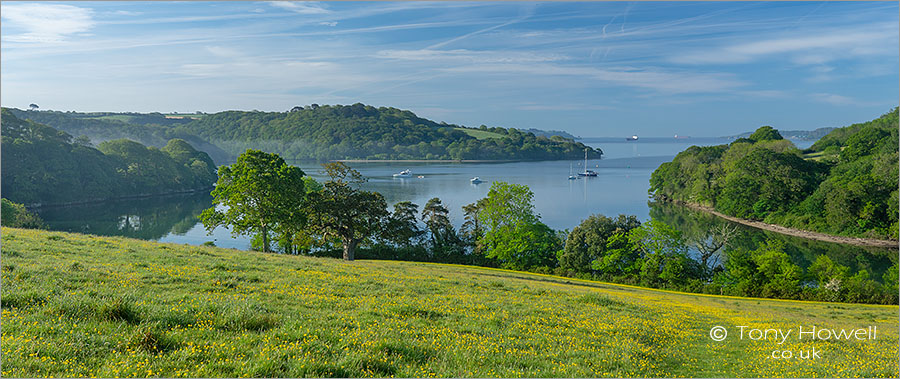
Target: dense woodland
(152,129)
(845,184)
(320,133)
(43,165)
(364,132)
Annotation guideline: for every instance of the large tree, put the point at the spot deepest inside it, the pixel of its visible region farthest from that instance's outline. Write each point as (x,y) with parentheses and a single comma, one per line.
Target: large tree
(342,210)
(513,233)
(255,195)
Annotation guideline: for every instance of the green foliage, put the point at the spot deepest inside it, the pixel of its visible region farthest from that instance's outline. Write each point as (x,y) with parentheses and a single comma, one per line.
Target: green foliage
(765,178)
(342,211)
(150,129)
(401,228)
(593,240)
(766,133)
(260,194)
(17,216)
(42,165)
(513,233)
(364,132)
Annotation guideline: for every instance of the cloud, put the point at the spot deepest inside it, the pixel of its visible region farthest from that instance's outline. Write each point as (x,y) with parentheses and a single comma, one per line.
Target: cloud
(564,107)
(471,56)
(47,23)
(654,79)
(301,7)
(814,48)
(834,99)
(328,23)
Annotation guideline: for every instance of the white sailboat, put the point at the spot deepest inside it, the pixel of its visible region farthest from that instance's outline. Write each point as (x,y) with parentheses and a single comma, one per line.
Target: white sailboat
(586,171)
(571,173)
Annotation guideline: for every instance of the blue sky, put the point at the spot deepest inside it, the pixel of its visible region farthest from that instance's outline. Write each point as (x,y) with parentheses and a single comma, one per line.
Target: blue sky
(590,68)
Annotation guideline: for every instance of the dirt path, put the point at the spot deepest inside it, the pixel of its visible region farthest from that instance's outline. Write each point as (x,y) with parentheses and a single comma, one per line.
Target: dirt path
(797,232)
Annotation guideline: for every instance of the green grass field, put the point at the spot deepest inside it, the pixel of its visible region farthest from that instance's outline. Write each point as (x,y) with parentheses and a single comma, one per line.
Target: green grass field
(77,305)
(480,134)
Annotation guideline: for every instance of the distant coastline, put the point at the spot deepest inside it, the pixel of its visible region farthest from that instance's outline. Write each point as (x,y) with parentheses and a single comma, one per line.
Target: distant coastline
(424,161)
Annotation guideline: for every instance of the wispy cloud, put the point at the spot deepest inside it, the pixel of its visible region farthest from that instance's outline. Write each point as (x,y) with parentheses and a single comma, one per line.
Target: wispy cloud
(834,99)
(670,82)
(470,56)
(810,48)
(301,7)
(47,23)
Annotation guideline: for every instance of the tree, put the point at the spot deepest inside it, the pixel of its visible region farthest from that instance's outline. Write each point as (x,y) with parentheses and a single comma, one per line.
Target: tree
(766,133)
(401,228)
(513,233)
(588,241)
(437,220)
(33,106)
(341,210)
(258,193)
(471,229)
(15,215)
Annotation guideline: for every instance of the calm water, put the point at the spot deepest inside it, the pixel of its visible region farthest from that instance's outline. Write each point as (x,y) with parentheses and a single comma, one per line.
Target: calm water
(621,187)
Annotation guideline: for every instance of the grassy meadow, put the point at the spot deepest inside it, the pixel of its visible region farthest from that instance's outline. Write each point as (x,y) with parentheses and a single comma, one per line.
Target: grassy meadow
(78,305)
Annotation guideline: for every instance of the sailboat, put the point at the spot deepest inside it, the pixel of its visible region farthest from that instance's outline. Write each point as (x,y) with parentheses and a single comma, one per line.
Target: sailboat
(586,171)
(571,173)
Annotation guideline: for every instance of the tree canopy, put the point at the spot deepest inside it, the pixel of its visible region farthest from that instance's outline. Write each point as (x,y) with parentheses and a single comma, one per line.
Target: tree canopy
(257,195)
(48,166)
(845,184)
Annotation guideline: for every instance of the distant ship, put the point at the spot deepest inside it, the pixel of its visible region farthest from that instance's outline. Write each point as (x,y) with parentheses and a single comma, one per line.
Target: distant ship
(681,137)
(632,138)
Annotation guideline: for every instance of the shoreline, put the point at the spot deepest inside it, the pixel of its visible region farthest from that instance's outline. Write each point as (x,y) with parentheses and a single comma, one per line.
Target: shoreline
(423,161)
(36,206)
(855,241)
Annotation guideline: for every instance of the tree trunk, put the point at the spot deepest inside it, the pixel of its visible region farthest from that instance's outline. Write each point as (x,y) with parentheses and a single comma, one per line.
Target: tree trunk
(265,233)
(349,249)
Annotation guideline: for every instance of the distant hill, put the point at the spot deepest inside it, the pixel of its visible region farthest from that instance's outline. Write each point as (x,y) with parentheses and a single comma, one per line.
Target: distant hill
(151,129)
(845,184)
(358,131)
(43,165)
(327,132)
(550,133)
(801,135)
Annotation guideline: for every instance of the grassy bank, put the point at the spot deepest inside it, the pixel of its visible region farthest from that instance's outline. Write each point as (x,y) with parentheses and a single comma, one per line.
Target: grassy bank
(78,305)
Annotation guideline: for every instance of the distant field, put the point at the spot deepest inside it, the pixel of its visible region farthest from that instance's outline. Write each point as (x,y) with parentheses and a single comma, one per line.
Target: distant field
(77,305)
(184,115)
(480,134)
(118,117)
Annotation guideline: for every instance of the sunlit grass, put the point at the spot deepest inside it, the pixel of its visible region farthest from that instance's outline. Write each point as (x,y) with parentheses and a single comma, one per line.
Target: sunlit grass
(78,305)
(480,134)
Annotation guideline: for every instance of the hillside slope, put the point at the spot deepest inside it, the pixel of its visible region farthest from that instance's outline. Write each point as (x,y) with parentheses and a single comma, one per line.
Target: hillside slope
(150,129)
(79,305)
(844,185)
(364,132)
(43,165)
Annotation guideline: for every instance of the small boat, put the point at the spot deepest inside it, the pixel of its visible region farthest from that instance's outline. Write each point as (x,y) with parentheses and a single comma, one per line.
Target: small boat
(421,176)
(632,138)
(403,174)
(571,173)
(586,171)
(475,180)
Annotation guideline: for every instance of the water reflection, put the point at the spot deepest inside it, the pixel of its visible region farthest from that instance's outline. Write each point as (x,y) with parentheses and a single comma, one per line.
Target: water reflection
(149,218)
(803,251)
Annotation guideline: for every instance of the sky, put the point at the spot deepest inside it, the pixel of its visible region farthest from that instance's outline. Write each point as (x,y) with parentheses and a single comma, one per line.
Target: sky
(589,68)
